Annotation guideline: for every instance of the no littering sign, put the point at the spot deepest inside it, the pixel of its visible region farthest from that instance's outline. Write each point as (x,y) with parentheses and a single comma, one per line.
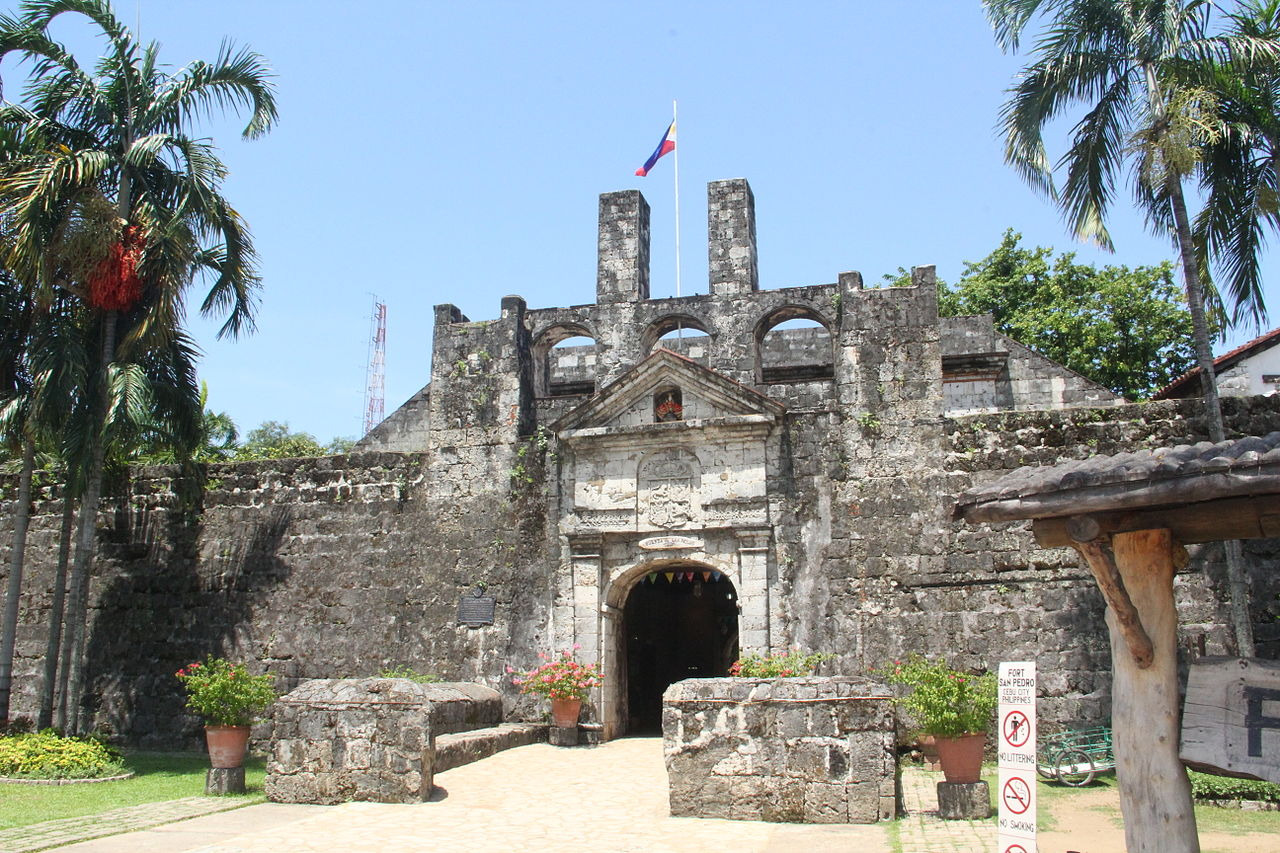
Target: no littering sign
(1016,751)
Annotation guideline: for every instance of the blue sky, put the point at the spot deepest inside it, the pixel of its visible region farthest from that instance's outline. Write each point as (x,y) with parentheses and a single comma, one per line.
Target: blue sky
(433,152)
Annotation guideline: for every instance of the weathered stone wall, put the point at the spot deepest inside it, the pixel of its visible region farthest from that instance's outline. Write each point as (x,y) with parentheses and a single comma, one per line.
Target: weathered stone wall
(895,574)
(985,371)
(342,566)
(405,430)
(799,750)
(306,568)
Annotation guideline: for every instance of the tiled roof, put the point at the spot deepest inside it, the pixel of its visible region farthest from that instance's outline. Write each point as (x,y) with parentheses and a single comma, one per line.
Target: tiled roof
(1221,363)
(1236,468)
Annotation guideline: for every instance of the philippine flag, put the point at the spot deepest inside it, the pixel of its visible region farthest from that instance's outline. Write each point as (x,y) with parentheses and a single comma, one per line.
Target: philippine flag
(666,146)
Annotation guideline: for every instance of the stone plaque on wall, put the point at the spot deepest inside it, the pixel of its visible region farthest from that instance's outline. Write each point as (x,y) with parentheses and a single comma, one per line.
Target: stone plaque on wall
(475,609)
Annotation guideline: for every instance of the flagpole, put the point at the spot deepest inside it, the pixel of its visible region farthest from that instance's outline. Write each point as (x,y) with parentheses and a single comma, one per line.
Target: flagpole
(676,170)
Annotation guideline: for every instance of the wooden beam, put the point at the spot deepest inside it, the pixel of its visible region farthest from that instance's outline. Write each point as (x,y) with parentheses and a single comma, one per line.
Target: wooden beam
(1129,623)
(1209,521)
(1155,795)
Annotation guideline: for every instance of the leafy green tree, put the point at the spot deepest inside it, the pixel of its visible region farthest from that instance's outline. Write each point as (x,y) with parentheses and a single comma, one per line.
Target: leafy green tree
(274,440)
(1126,329)
(340,445)
(113,162)
(216,439)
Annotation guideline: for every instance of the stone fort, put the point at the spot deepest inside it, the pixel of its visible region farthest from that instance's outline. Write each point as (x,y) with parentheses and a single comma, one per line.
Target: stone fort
(664,483)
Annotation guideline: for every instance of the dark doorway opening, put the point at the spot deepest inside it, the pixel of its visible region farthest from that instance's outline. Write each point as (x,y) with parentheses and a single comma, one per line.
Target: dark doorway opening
(680,622)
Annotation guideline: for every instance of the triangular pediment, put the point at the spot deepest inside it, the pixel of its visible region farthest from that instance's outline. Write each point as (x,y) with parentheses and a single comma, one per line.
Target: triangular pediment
(707,398)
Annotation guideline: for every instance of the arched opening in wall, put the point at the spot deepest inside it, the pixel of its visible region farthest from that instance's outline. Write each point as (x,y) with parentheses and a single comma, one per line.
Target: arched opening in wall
(794,344)
(680,621)
(682,334)
(564,362)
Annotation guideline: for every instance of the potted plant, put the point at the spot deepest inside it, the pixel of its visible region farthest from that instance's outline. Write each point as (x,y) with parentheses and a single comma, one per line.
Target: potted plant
(562,680)
(954,707)
(228,698)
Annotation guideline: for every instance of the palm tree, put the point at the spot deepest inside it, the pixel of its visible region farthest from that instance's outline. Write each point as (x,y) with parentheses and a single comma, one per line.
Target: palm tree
(1240,173)
(49,367)
(118,166)
(16,423)
(1143,70)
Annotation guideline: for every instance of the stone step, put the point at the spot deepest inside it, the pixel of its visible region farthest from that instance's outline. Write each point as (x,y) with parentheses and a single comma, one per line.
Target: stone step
(459,748)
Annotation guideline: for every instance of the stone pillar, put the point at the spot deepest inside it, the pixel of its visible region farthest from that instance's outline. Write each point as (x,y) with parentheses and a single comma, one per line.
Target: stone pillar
(622,270)
(585,553)
(753,591)
(731,238)
(447,313)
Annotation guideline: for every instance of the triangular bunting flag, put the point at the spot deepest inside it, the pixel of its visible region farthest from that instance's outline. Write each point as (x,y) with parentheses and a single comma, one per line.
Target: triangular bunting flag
(706,576)
(717,576)
(670,576)
(653,576)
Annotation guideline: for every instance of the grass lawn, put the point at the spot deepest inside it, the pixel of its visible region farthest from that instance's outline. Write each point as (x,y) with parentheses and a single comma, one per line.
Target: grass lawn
(160,776)
(1056,802)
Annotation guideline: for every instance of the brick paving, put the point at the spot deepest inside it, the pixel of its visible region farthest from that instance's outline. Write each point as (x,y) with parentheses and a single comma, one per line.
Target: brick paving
(920,830)
(56,833)
(536,798)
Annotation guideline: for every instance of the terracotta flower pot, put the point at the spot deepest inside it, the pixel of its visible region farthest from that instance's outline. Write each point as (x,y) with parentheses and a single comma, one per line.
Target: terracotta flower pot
(227,745)
(961,757)
(564,712)
(929,749)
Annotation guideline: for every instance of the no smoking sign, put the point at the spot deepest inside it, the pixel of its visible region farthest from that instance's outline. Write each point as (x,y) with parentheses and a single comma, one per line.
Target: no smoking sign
(1016,794)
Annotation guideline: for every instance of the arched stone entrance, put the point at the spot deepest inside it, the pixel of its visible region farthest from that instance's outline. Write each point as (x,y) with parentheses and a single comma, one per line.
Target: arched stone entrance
(681,622)
(670,619)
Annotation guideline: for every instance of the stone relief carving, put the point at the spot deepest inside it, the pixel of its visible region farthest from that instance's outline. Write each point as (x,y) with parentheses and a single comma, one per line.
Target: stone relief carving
(739,511)
(597,518)
(667,482)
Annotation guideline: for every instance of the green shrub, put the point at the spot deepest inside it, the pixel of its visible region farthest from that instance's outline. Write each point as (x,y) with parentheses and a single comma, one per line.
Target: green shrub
(1205,786)
(410,673)
(943,702)
(789,665)
(224,693)
(48,755)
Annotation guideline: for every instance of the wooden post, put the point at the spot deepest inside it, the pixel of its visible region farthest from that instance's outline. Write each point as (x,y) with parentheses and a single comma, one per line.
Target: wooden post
(1155,795)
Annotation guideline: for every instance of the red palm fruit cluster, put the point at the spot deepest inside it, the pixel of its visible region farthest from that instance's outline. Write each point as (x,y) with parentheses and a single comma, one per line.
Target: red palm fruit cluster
(114,284)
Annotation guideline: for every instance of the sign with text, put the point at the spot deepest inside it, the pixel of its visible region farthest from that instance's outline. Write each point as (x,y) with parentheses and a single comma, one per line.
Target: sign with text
(1231,718)
(1016,752)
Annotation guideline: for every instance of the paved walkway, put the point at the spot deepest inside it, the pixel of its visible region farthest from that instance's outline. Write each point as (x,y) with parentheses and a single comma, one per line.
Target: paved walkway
(611,799)
(56,833)
(922,830)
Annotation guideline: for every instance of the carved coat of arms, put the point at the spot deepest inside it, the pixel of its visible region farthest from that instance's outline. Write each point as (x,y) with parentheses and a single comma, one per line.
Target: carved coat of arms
(667,484)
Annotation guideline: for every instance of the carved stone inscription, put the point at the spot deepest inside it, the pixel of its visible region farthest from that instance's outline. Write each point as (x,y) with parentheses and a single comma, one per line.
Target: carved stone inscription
(667,482)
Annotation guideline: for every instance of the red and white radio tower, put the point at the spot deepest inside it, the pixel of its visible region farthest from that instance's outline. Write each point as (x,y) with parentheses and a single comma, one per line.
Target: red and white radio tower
(376,375)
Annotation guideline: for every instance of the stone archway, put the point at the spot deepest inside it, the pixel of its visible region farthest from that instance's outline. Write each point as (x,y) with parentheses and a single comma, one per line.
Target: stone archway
(667,619)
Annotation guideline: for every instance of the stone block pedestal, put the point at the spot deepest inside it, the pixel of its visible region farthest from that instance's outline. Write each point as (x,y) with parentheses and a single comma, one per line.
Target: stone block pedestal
(800,750)
(563,735)
(340,739)
(224,780)
(964,801)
